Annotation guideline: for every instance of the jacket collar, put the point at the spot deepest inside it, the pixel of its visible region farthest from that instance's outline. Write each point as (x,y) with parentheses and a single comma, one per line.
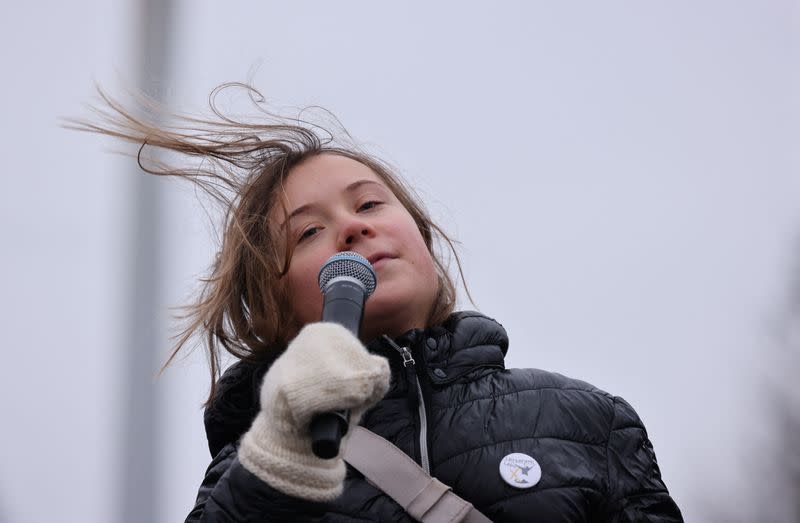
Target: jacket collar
(466,342)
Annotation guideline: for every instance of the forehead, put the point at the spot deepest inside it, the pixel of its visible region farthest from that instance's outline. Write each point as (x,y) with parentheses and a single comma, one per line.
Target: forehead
(322,177)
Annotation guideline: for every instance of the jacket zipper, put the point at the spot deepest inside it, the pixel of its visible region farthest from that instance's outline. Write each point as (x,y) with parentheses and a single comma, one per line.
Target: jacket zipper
(408,360)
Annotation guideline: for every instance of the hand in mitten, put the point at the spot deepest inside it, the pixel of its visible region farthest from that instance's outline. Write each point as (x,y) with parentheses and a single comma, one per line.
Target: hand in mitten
(325,368)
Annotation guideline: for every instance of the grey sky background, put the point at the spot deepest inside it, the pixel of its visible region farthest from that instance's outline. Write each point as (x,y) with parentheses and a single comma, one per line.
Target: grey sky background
(623,178)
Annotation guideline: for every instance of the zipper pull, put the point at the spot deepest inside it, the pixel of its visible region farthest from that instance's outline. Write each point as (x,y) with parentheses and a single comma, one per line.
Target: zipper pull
(408,359)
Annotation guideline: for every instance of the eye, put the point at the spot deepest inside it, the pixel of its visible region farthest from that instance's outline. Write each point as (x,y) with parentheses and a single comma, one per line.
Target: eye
(369,205)
(308,233)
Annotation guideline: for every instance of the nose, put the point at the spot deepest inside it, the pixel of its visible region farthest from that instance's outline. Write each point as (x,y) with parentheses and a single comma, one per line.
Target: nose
(353,232)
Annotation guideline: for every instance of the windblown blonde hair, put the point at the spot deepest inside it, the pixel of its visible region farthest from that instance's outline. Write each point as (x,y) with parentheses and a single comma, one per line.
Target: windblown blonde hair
(242,165)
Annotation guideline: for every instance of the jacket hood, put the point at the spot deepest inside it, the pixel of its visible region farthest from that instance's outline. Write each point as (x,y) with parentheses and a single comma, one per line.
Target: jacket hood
(466,341)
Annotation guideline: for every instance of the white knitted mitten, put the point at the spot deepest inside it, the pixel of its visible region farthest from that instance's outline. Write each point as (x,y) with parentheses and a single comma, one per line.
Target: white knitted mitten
(325,368)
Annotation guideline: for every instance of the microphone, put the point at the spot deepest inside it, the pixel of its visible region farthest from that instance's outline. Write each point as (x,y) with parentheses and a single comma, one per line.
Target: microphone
(346,280)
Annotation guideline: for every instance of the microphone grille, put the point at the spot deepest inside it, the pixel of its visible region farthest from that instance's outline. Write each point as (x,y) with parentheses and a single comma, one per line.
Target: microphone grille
(350,264)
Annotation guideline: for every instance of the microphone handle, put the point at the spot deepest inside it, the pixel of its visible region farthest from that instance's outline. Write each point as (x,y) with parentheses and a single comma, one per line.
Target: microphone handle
(343,304)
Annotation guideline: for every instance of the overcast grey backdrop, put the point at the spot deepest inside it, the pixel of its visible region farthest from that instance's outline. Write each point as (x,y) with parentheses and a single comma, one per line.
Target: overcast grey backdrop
(623,177)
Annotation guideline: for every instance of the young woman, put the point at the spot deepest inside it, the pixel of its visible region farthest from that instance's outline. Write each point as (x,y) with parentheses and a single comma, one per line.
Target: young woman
(430,380)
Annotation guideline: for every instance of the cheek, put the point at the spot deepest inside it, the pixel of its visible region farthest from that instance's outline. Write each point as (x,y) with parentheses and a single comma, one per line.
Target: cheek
(304,295)
(418,251)
(423,279)
(427,268)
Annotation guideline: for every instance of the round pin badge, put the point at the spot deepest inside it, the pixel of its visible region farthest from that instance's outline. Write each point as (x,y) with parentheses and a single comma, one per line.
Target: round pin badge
(520,470)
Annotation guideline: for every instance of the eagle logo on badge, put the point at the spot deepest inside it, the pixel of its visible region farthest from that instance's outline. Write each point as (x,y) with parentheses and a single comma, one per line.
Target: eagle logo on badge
(520,470)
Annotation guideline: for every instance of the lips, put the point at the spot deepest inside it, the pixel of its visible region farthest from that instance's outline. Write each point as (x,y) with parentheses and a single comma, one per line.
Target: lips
(375,258)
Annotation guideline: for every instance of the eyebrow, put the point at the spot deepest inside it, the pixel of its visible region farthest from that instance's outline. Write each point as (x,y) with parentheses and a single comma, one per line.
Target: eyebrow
(349,189)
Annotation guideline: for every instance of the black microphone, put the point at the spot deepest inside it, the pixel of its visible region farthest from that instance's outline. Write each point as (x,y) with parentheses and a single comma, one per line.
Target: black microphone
(346,280)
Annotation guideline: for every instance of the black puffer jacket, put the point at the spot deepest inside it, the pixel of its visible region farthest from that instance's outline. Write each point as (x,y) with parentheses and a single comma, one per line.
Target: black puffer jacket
(596,461)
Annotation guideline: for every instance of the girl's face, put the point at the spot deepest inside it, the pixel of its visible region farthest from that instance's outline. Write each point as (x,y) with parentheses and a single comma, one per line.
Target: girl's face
(337,204)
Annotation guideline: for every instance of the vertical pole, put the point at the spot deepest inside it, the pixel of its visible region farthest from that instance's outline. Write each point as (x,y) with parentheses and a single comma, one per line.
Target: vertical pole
(139,491)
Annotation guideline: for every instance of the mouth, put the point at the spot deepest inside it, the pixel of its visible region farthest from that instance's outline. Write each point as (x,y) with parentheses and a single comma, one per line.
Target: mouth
(375,258)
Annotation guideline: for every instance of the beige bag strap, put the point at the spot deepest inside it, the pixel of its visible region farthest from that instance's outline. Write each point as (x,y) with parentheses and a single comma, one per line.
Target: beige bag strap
(425,498)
